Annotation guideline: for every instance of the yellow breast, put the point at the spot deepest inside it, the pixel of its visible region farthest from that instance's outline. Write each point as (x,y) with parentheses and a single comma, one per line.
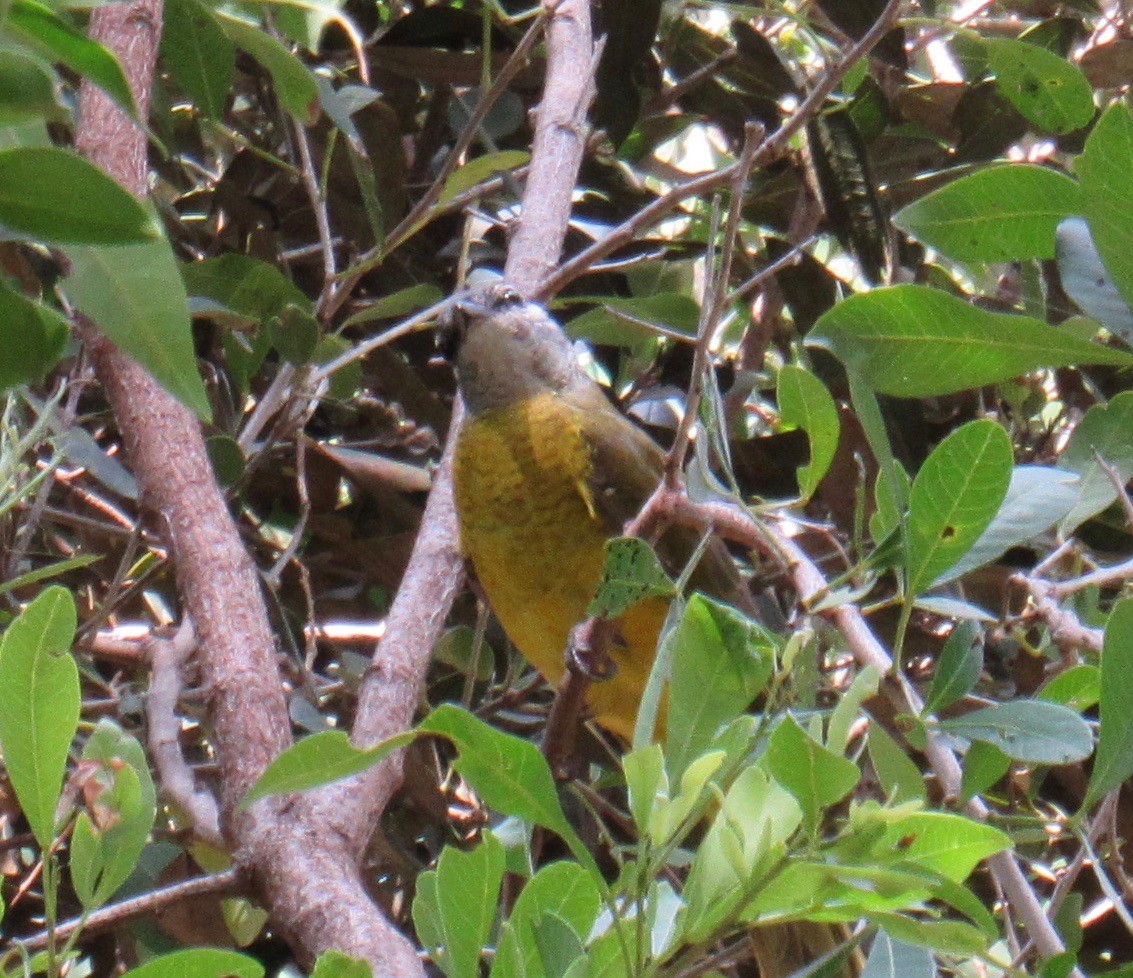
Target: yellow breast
(528,524)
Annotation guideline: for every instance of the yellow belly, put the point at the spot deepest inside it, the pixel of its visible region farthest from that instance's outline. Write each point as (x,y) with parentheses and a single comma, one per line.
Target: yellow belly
(528,525)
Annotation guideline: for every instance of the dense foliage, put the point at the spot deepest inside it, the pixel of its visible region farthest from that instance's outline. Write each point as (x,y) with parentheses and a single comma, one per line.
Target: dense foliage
(882,252)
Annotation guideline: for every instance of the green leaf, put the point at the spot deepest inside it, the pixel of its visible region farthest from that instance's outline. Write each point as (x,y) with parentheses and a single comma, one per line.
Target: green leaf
(959,666)
(984,765)
(335,964)
(1029,731)
(294,83)
(32,336)
(1114,761)
(1079,687)
(480,169)
(463,649)
(199,55)
(103,855)
(468,889)
(720,661)
(817,777)
(397,304)
(1107,197)
(916,341)
(1001,213)
(897,776)
(954,497)
(745,839)
(247,286)
(135,295)
(562,889)
(943,843)
(509,772)
(1048,90)
(55,195)
(27,91)
(559,945)
(1037,498)
(617,320)
(631,573)
(41,29)
(320,759)
(1106,430)
(804,402)
(39,705)
(946,936)
(199,962)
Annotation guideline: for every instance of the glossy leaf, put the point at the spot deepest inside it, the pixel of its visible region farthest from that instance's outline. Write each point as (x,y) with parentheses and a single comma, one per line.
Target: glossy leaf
(319,759)
(55,195)
(1107,197)
(1114,761)
(915,341)
(1079,687)
(1029,731)
(1002,213)
(954,497)
(134,294)
(804,402)
(1047,89)
(944,843)
(39,705)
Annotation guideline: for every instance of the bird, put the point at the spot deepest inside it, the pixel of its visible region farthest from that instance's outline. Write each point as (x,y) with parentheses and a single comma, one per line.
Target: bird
(545,470)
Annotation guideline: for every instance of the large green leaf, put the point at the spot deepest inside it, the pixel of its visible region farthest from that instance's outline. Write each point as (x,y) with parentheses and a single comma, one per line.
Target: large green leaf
(39,27)
(1030,731)
(1114,761)
(509,772)
(55,195)
(720,662)
(1048,90)
(468,889)
(32,336)
(199,55)
(915,341)
(39,705)
(956,493)
(135,295)
(817,777)
(1107,196)
(1002,213)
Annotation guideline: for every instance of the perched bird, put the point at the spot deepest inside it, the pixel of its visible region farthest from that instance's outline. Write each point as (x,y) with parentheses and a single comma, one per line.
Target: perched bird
(546,470)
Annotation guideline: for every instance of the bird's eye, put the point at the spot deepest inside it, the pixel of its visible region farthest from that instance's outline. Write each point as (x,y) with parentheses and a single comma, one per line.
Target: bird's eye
(502,296)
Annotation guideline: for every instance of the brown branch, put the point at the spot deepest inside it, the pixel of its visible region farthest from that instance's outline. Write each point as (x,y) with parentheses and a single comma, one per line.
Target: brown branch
(309,881)
(225,883)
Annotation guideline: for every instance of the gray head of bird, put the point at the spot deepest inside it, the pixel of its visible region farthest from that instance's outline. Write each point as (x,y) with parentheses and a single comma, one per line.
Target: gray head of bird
(506,349)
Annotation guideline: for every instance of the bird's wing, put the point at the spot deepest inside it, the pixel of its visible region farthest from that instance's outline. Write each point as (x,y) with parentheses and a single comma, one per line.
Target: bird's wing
(626,467)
